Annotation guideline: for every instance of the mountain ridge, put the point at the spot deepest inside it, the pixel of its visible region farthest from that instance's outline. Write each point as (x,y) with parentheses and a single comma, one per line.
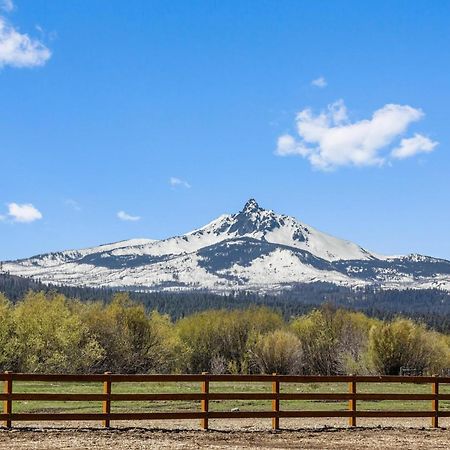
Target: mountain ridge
(254,249)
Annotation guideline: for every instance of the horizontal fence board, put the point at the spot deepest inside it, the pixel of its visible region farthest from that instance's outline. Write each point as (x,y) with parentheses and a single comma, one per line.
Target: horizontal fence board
(38,417)
(395,414)
(30,417)
(364,379)
(315,396)
(241,414)
(300,414)
(243,378)
(314,378)
(241,396)
(58,377)
(397,397)
(374,414)
(394,379)
(157,397)
(158,415)
(361,379)
(221,396)
(118,378)
(359,396)
(32,397)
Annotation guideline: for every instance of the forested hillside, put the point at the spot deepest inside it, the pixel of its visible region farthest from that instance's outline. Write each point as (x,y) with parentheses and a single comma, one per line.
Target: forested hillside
(429,306)
(50,333)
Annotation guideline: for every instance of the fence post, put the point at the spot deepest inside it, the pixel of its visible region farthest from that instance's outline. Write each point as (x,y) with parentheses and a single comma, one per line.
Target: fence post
(435,404)
(276,403)
(205,401)
(352,402)
(107,402)
(7,404)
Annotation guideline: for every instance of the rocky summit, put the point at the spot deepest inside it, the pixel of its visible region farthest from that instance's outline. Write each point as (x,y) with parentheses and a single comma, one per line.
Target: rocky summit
(254,249)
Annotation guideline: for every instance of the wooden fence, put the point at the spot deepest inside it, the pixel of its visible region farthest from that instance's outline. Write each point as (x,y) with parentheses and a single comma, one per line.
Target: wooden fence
(204,396)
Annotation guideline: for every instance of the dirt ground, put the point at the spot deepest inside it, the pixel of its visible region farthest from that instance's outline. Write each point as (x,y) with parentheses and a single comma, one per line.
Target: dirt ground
(244,434)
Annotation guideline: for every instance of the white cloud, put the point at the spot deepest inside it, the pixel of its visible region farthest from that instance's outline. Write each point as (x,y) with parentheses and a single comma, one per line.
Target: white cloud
(174,181)
(329,140)
(6,5)
(18,49)
(24,213)
(319,82)
(122,215)
(412,146)
(287,145)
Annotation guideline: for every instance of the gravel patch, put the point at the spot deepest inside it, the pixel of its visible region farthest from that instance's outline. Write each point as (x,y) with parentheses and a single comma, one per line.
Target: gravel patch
(243,434)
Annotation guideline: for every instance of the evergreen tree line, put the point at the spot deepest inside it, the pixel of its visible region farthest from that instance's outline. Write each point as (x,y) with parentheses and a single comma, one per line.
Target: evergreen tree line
(45,332)
(430,306)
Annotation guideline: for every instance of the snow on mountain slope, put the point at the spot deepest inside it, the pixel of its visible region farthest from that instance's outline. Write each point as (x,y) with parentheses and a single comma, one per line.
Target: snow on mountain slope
(262,224)
(57,258)
(254,249)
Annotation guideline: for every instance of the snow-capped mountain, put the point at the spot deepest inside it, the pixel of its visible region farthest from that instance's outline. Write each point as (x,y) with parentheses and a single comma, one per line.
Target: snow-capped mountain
(254,249)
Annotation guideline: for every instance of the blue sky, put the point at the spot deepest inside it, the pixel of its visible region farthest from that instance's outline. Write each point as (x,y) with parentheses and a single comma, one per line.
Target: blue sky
(171,113)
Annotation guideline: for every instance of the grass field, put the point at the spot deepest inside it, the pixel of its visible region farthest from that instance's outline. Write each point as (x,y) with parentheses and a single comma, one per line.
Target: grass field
(243,405)
(252,434)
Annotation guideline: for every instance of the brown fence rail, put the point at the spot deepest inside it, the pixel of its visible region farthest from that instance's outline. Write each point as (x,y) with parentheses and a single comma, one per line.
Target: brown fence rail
(205,396)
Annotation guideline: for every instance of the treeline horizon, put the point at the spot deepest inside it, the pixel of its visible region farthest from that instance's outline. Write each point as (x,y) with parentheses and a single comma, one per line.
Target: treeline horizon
(46,332)
(429,306)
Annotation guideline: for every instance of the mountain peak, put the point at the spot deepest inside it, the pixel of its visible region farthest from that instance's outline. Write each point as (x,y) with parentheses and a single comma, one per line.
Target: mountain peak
(254,249)
(251,206)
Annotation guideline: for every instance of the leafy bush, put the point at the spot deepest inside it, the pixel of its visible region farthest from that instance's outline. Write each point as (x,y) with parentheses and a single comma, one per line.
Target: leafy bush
(277,352)
(403,343)
(46,332)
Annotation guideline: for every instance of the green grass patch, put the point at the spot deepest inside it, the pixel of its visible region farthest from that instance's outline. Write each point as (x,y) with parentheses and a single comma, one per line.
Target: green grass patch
(243,405)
